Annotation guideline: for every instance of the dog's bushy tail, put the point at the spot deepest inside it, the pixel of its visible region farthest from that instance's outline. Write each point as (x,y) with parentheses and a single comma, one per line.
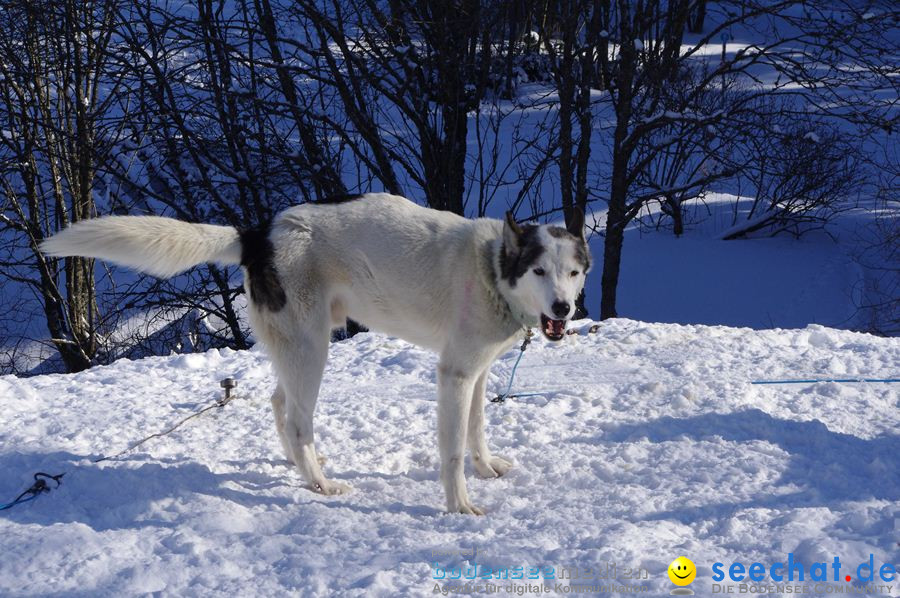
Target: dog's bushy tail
(159,246)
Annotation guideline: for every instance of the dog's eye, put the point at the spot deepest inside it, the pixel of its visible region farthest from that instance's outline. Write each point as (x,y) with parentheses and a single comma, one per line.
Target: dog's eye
(539,271)
(573,273)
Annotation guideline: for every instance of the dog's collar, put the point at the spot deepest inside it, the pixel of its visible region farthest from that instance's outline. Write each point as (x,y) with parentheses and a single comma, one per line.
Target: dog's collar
(525,320)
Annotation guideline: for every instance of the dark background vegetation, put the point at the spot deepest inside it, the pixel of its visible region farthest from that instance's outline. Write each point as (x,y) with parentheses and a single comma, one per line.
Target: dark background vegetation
(229,111)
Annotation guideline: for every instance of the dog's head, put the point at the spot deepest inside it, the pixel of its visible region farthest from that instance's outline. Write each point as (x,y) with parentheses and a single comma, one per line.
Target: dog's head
(542,270)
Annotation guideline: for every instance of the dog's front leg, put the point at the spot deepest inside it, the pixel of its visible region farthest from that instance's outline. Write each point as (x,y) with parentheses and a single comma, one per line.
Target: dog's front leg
(455,386)
(485,463)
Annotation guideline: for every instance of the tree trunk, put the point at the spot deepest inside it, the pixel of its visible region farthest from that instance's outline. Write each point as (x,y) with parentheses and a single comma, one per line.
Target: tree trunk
(456,128)
(231,317)
(677,216)
(326,180)
(698,16)
(623,147)
(612,258)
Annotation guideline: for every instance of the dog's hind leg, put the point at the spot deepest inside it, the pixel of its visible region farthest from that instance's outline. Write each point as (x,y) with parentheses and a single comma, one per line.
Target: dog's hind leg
(278,400)
(486,464)
(299,366)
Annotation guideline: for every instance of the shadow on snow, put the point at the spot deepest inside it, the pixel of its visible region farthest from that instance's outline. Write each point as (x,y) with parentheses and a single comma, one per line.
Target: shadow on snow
(828,467)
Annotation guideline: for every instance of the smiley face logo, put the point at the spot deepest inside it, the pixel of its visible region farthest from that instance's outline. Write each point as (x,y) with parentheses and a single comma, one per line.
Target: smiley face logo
(682,571)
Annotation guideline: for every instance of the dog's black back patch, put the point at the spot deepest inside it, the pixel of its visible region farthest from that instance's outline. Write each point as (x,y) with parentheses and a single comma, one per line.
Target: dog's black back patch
(515,262)
(258,257)
(338,199)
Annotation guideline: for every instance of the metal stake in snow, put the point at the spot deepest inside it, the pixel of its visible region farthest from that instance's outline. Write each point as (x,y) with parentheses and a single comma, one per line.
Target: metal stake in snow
(227,384)
(838,380)
(40,485)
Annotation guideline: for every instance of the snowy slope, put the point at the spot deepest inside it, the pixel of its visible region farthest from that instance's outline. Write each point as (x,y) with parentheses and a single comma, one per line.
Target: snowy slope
(760,282)
(649,443)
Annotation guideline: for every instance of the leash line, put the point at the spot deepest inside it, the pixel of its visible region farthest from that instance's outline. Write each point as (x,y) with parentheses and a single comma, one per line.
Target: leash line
(529,333)
(839,380)
(502,397)
(40,485)
(217,404)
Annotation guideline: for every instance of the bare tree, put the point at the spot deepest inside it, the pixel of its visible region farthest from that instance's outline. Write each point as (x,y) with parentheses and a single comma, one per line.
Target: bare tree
(682,159)
(647,55)
(878,247)
(407,75)
(229,111)
(223,134)
(573,35)
(799,172)
(55,70)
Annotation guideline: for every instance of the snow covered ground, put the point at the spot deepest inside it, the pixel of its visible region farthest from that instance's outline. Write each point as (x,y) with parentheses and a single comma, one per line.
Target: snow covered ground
(649,443)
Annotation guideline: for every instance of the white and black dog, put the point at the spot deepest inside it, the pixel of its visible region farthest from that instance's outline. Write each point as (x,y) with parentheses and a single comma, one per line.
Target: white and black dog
(463,288)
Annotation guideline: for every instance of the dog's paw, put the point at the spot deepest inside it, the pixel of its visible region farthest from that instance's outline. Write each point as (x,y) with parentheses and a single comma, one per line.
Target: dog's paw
(500,465)
(460,503)
(331,488)
(493,467)
(467,508)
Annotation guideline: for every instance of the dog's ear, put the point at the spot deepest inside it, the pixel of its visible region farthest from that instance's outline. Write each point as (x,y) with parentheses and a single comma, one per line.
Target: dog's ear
(576,224)
(511,233)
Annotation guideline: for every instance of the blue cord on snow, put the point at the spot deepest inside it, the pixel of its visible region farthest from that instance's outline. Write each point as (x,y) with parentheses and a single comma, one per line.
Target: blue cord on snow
(816,381)
(39,487)
(18,501)
(512,376)
(502,397)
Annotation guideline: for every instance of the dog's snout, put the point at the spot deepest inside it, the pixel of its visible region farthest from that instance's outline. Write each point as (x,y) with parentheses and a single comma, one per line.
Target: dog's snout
(560,309)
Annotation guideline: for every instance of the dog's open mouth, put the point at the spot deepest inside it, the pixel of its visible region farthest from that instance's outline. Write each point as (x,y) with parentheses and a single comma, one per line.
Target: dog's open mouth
(555,330)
